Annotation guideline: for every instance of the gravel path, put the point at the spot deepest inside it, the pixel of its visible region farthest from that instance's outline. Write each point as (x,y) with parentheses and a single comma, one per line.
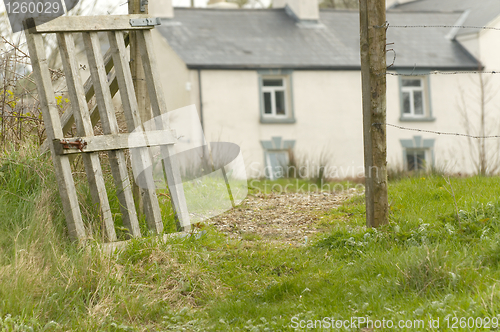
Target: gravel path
(286,218)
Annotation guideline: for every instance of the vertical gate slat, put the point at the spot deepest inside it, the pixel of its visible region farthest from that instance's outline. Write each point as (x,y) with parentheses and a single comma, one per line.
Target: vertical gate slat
(52,123)
(130,108)
(110,126)
(84,128)
(170,165)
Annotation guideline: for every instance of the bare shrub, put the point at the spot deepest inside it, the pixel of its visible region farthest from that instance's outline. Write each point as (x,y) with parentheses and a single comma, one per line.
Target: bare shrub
(20,115)
(306,165)
(478,120)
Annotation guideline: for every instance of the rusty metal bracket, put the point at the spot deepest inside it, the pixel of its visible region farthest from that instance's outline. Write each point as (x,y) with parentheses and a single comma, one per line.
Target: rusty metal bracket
(79,144)
(144,22)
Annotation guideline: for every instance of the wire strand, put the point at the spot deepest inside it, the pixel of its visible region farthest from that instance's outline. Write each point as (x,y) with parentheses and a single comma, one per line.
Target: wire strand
(436,132)
(387,25)
(438,72)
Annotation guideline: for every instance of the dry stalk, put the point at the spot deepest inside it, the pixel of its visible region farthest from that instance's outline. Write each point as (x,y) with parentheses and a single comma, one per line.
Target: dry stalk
(452,193)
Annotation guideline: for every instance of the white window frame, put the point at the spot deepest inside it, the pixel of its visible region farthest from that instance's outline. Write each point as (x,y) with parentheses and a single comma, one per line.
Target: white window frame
(272,90)
(411,90)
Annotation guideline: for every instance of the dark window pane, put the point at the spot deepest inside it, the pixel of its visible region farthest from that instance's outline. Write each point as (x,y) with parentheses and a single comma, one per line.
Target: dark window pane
(411,82)
(267,103)
(406,103)
(420,160)
(273,82)
(280,102)
(418,102)
(410,160)
(415,160)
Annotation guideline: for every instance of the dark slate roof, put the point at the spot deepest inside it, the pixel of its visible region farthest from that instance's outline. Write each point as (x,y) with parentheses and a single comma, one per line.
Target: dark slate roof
(481,12)
(269,38)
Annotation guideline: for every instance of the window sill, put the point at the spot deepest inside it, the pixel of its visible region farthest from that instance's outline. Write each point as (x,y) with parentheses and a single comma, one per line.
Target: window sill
(277,120)
(423,119)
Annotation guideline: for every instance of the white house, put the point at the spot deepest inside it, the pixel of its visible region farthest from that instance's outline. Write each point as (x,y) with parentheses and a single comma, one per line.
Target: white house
(288,79)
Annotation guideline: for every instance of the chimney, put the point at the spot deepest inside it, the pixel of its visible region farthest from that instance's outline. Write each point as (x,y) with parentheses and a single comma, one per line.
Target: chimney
(161,8)
(302,10)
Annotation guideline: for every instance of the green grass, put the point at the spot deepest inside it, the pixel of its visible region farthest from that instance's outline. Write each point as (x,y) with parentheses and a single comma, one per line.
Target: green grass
(429,262)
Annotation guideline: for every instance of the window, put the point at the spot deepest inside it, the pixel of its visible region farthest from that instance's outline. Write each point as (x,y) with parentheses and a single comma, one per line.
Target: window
(273,90)
(415,160)
(276,96)
(415,104)
(413,97)
(418,153)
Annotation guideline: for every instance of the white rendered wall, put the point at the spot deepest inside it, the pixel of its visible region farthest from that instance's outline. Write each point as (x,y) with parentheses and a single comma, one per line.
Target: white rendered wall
(328,116)
(327,111)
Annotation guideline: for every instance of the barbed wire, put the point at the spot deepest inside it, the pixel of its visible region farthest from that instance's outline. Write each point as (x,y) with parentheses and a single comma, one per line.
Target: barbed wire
(438,72)
(436,132)
(387,25)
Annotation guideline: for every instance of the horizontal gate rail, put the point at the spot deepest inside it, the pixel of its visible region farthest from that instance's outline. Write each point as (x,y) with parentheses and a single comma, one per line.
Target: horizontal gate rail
(114,142)
(87,23)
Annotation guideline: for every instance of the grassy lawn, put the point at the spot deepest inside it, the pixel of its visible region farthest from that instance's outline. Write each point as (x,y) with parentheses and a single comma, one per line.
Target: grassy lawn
(428,263)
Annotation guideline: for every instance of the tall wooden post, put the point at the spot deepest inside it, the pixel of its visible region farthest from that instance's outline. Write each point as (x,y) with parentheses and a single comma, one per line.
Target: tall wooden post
(139,79)
(373,68)
(139,7)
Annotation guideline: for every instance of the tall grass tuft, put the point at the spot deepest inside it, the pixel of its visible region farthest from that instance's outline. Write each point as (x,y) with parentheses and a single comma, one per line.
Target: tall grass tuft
(50,283)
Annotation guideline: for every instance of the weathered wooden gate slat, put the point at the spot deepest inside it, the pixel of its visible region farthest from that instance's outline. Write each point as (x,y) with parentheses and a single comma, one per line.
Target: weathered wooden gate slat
(53,127)
(131,112)
(84,128)
(170,165)
(104,88)
(110,127)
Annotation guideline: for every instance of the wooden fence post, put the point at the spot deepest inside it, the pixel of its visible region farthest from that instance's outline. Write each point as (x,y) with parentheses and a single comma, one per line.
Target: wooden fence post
(373,68)
(139,79)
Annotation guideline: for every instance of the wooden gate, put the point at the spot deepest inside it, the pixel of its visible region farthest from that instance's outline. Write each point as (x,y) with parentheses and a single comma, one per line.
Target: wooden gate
(104,84)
